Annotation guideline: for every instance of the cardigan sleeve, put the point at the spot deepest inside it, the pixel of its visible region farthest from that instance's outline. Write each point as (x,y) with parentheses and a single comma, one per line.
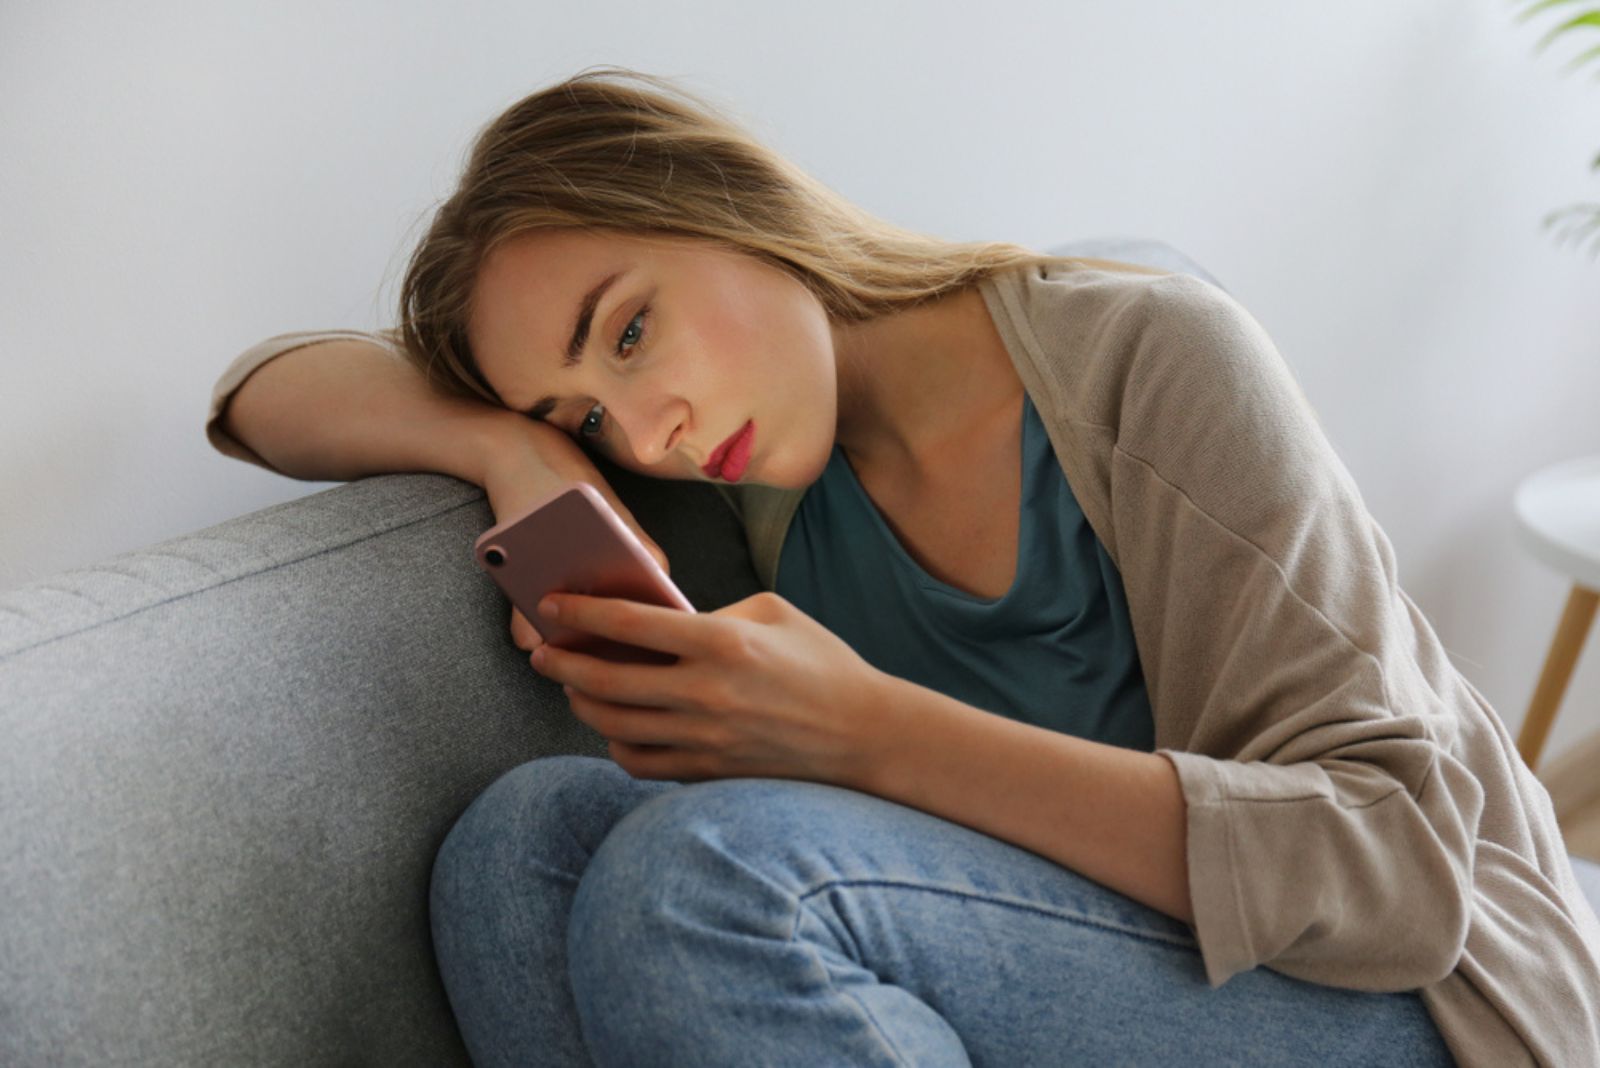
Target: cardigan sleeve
(247,361)
(1331,830)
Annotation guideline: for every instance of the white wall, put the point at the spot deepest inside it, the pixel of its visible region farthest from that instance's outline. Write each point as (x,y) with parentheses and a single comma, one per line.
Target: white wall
(178,181)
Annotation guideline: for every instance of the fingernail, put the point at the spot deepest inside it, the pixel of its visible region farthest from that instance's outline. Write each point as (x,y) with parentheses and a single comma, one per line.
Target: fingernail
(538,657)
(548,608)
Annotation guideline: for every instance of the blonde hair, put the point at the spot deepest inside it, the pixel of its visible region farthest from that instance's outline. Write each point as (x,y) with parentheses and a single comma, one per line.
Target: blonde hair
(612,149)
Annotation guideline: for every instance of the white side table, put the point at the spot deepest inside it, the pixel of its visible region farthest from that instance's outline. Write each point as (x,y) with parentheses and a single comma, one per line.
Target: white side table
(1558,521)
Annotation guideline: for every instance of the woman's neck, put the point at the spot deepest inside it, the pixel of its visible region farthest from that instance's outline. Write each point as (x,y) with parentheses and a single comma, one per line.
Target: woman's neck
(916,386)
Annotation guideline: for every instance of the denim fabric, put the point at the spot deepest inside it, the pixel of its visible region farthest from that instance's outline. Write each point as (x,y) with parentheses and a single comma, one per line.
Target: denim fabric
(582,916)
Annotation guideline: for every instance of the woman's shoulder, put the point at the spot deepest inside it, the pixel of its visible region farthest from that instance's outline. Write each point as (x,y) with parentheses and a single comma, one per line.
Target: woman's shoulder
(1091,263)
(1081,284)
(1067,309)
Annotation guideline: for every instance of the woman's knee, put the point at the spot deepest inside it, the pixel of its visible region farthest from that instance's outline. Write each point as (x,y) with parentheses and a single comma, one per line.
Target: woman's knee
(769,837)
(529,808)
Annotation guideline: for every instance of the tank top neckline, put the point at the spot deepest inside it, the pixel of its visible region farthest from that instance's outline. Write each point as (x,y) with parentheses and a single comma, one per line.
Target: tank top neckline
(920,573)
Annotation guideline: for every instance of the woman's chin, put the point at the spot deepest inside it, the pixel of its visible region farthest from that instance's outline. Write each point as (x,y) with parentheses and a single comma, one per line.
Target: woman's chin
(813,472)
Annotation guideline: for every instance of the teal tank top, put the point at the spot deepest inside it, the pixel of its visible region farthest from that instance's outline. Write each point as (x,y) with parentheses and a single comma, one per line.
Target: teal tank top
(1056,650)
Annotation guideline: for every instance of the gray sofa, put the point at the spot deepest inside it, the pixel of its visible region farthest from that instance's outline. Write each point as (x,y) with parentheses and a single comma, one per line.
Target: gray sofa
(229,759)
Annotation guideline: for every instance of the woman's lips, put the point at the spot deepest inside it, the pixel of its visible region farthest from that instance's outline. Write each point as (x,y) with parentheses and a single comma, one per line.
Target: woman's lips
(729,459)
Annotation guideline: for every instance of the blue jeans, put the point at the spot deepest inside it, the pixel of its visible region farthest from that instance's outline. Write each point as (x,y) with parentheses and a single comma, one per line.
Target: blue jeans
(583,916)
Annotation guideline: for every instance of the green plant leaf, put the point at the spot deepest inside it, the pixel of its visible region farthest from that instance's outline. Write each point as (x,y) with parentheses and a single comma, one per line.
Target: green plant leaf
(1588,18)
(1586,221)
(1534,9)
(1542,5)
(1585,57)
(1584,218)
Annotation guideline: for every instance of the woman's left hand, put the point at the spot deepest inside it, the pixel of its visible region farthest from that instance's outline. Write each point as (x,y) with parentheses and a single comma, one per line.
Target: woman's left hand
(759,690)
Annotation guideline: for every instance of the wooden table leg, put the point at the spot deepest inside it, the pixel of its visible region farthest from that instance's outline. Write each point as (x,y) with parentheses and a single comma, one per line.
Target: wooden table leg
(1576,619)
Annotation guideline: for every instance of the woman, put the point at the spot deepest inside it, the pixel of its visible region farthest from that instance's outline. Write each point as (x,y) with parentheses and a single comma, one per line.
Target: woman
(1083,720)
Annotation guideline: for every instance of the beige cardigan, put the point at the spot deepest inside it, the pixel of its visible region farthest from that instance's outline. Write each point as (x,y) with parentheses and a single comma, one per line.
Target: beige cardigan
(1358,814)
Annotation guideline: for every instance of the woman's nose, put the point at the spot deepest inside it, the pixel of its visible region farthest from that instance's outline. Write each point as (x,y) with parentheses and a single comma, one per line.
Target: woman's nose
(652,431)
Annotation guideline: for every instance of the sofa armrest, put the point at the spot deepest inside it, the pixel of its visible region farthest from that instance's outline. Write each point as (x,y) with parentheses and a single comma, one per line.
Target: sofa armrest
(230,758)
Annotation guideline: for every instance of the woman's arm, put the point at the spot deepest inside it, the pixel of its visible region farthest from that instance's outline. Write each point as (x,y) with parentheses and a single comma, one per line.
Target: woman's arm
(341,406)
(344,409)
(1112,814)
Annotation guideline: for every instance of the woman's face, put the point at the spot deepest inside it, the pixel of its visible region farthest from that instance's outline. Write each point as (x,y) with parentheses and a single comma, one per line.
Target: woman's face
(686,344)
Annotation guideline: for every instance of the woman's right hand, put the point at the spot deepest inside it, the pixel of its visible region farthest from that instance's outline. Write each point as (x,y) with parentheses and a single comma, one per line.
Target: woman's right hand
(521,472)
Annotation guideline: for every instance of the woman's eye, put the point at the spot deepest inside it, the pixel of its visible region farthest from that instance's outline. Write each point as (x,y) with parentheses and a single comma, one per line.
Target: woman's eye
(638,336)
(584,426)
(630,339)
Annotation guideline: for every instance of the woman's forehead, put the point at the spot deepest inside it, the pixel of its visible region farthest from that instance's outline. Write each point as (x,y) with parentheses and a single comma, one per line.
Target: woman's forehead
(538,302)
(527,287)
(556,266)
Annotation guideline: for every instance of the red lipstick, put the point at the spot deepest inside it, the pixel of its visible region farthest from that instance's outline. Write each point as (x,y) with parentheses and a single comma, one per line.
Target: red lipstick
(729,459)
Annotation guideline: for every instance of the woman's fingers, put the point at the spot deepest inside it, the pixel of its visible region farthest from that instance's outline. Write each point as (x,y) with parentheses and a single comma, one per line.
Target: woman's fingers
(668,630)
(522,633)
(633,725)
(624,684)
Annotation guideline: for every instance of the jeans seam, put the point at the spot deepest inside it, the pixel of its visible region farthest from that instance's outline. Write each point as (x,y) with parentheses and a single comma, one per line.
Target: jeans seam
(1016,903)
(883,1035)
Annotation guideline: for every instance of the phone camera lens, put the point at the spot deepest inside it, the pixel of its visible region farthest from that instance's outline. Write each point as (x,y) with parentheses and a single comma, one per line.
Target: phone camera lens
(495,557)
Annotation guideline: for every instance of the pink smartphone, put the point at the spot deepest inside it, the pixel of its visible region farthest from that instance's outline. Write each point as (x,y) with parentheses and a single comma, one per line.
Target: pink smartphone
(574,541)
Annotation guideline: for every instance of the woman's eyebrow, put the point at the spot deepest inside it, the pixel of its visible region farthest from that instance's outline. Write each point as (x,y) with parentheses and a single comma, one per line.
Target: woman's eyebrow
(573,357)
